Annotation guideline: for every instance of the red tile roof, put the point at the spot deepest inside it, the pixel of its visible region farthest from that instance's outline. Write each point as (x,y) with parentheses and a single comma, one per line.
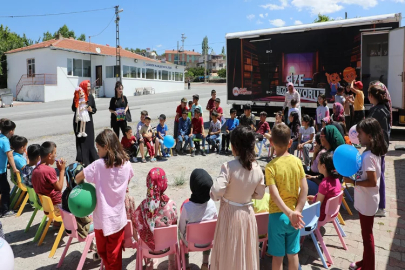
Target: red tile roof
(80,46)
(185,52)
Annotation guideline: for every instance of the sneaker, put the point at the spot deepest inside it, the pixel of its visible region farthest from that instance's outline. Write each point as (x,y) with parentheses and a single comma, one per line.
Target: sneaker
(84,134)
(133,160)
(96,257)
(204,266)
(153,160)
(143,160)
(193,153)
(159,157)
(380,213)
(174,152)
(203,153)
(9,213)
(353,266)
(79,135)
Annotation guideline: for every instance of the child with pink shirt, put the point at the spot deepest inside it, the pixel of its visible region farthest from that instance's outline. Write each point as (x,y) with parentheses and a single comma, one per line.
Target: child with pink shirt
(110,174)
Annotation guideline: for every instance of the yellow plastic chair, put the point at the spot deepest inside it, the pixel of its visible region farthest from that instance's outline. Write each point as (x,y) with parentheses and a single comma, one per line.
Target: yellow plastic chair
(49,212)
(344,201)
(24,195)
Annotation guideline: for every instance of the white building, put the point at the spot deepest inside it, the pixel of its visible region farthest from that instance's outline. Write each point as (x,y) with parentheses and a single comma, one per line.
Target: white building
(51,70)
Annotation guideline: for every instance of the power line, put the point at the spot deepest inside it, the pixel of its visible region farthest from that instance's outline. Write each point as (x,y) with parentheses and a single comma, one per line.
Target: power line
(104,28)
(54,14)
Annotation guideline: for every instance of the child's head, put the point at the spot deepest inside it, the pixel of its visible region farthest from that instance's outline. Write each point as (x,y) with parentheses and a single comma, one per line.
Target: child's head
(294,118)
(340,90)
(147,121)
(325,165)
(48,152)
(322,100)
(281,136)
(247,109)
(263,116)
(213,94)
(214,116)
(34,153)
(279,116)
(232,112)
(143,114)
(2,120)
(294,103)
(217,102)
(243,145)
(200,186)
(7,128)
(197,113)
(184,114)
(358,85)
(307,120)
(162,119)
(377,95)
(19,144)
(183,102)
(371,136)
(318,139)
(190,103)
(128,132)
(110,149)
(196,98)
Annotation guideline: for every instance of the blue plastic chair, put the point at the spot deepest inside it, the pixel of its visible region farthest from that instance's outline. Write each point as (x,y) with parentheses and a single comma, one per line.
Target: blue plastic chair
(311,216)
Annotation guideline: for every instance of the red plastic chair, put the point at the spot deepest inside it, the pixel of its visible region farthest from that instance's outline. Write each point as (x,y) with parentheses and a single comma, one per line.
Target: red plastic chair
(165,240)
(262,221)
(199,236)
(71,225)
(331,210)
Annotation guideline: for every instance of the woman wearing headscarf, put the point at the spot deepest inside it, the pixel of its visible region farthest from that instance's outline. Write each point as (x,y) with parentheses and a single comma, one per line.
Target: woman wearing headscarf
(338,112)
(199,208)
(156,211)
(331,138)
(85,151)
(290,95)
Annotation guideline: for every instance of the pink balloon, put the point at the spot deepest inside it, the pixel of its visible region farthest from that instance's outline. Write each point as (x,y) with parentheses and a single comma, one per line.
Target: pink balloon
(353,135)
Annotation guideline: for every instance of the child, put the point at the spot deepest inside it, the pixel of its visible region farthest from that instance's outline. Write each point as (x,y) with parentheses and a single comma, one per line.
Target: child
(322,111)
(279,120)
(339,97)
(366,186)
(349,111)
(288,191)
(34,157)
(318,150)
(161,132)
(197,131)
(19,145)
(214,137)
(199,208)
(359,110)
(190,104)
(306,139)
(6,156)
(247,118)
(110,174)
(239,181)
(295,131)
(147,135)
(211,102)
(179,111)
(218,110)
(338,112)
(231,124)
(44,179)
(2,120)
(128,142)
(139,135)
(330,186)
(196,99)
(262,127)
(293,107)
(184,131)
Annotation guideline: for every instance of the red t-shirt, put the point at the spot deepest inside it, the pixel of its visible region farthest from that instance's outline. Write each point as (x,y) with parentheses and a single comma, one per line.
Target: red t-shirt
(43,178)
(219,110)
(262,128)
(211,104)
(197,125)
(127,143)
(179,111)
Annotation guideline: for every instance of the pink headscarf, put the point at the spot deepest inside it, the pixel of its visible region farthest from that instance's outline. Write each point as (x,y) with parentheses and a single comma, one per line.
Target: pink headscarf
(338,115)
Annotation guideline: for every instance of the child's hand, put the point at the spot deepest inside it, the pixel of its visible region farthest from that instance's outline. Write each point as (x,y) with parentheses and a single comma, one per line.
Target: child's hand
(310,198)
(347,180)
(295,218)
(61,164)
(132,142)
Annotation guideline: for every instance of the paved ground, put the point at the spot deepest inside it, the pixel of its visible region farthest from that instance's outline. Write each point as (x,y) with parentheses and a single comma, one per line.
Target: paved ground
(52,121)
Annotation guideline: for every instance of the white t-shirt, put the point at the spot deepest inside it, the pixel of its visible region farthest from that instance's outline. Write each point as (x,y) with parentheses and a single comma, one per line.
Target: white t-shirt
(321,113)
(293,110)
(366,199)
(138,130)
(306,134)
(215,126)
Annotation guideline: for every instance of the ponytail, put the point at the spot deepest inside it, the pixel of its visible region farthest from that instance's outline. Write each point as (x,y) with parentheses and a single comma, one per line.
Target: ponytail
(308,119)
(379,94)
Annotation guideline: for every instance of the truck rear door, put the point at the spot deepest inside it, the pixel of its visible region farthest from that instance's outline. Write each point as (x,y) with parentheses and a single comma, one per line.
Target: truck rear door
(396,62)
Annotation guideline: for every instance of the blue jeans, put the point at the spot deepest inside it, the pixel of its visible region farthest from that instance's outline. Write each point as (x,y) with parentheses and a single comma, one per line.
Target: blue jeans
(162,146)
(213,139)
(180,139)
(197,136)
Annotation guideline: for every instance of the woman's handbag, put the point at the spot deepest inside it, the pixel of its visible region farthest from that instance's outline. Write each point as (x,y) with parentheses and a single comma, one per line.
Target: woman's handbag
(128,116)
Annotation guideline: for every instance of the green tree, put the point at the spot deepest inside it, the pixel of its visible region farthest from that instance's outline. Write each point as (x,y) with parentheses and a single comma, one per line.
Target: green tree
(47,36)
(65,32)
(189,74)
(205,46)
(322,18)
(223,50)
(82,37)
(222,73)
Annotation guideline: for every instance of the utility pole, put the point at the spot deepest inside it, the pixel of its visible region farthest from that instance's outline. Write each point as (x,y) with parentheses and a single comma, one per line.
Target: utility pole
(178,55)
(117,41)
(183,37)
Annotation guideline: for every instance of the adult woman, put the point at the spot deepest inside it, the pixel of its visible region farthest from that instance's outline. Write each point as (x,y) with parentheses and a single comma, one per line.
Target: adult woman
(85,151)
(241,180)
(118,109)
(331,138)
(157,210)
(290,95)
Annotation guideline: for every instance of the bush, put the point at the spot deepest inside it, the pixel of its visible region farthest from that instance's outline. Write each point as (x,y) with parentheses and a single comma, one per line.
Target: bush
(180,180)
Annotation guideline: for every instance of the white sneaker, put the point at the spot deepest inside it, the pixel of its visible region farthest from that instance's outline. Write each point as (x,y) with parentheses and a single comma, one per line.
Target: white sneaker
(79,135)
(84,134)
(380,213)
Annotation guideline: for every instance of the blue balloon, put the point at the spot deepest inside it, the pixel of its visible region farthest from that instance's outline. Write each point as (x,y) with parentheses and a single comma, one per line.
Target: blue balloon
(347,160)
(169,141)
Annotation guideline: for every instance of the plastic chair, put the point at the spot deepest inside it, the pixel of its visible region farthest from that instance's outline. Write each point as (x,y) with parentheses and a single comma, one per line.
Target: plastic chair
(198,235)
(331,210)
(165,240)
(17,193)
(37,206)
(344,203)
(70,223)
(23,194)
(311,216)
(262,220)
(49,212)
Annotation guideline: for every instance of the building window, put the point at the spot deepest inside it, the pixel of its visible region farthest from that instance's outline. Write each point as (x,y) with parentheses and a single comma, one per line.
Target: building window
(86,68)
(31,67)
(126,72)
(112,71)
(70,67)
(133,72)
(221,65)
(77,67)
(165,75)
(169,58)
(150,74)
(156,74)
(177,76)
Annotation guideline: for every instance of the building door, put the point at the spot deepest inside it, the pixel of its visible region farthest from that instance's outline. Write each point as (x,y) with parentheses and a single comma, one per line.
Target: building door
(99,75)
(396,54)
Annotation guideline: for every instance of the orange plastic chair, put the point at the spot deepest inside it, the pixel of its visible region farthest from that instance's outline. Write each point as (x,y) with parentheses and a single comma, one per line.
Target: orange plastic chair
(23,193)
(262,220)
(49,212)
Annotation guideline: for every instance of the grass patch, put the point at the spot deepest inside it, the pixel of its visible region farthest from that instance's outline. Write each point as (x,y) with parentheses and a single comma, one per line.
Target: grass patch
(380,223)
(389,231)
(180,180)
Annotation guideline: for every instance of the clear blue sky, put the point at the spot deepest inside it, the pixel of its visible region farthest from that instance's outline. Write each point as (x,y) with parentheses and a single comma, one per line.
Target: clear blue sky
(159,24)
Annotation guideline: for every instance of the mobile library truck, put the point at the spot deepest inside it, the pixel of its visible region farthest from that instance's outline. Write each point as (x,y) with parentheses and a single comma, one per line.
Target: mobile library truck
(317,58)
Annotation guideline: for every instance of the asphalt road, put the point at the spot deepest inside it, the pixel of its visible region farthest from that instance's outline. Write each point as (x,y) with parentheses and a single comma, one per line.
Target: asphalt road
(54,118)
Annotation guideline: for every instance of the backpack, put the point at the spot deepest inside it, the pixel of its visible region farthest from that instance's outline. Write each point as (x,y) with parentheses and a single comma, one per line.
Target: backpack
(70,174)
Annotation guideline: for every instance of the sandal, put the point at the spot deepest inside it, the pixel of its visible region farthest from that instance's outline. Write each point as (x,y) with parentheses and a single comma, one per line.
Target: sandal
(143,160)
